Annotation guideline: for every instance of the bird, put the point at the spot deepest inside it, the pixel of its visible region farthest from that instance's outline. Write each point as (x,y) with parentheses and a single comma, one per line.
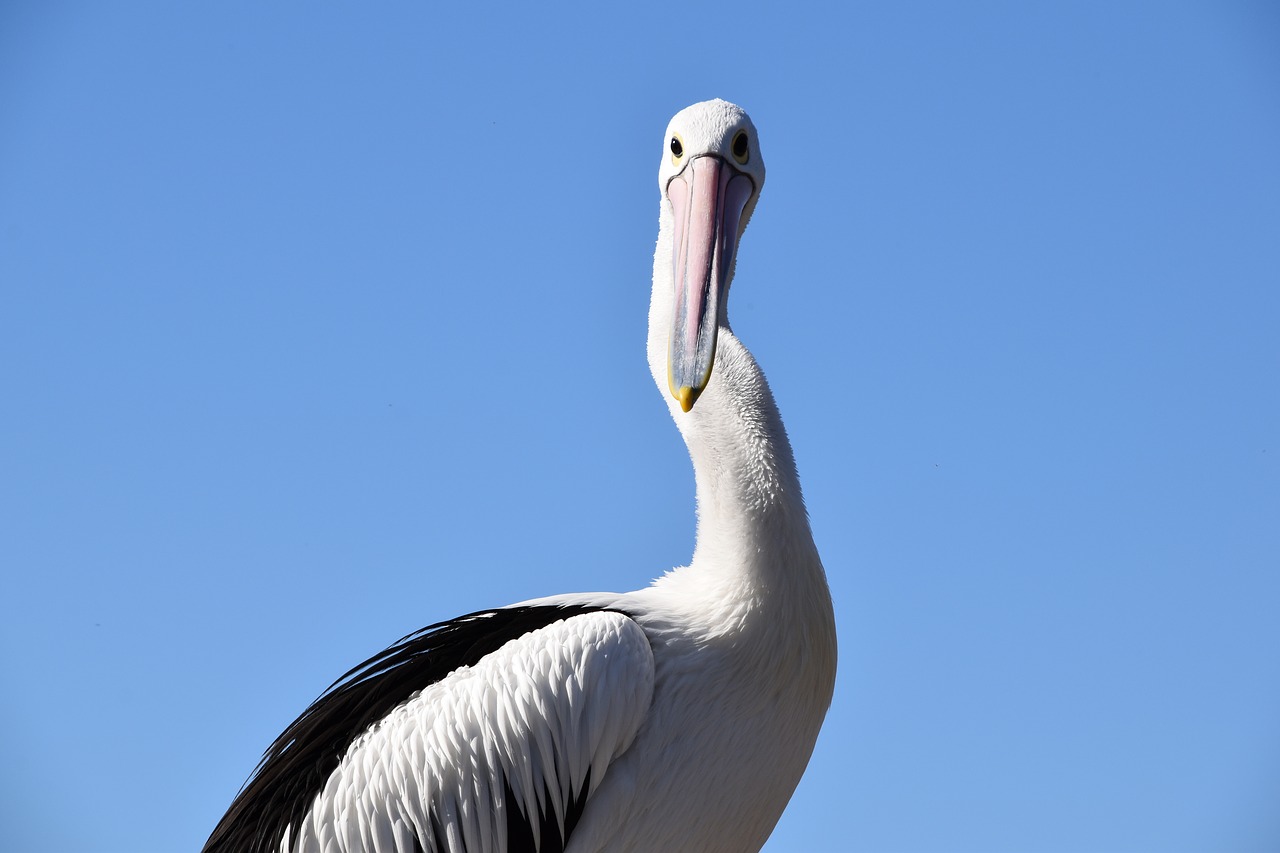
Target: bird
(677,717)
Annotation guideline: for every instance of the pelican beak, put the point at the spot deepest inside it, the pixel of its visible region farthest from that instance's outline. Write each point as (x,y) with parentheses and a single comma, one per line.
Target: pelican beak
(707,198)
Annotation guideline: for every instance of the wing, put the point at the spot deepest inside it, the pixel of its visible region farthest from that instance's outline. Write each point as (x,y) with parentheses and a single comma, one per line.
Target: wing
(485,733)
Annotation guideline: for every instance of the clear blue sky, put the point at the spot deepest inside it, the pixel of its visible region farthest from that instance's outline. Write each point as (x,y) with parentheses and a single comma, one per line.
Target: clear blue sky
(320,322)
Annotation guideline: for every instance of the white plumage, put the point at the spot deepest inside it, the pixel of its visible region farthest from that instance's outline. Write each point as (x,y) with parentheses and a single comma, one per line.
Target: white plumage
(566,697)
(677,717)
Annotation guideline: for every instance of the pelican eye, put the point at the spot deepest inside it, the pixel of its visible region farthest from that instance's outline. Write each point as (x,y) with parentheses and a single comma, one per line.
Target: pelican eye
(741,150)
(677,150)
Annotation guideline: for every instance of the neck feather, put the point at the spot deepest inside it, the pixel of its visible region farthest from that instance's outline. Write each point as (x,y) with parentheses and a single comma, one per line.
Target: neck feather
(752,523)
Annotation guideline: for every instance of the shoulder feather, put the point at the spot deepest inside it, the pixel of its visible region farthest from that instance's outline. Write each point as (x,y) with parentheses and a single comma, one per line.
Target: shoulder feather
(301,761)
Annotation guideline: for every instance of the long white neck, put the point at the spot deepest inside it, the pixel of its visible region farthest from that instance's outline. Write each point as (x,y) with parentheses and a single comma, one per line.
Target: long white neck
(753,532)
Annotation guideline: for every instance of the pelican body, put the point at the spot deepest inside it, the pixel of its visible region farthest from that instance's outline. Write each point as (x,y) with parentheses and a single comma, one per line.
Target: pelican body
(679,717)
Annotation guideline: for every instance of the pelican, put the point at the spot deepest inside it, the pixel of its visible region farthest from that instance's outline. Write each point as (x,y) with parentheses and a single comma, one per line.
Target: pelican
(679,717)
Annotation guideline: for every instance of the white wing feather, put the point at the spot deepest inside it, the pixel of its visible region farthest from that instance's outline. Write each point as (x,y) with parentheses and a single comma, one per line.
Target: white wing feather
(535,715)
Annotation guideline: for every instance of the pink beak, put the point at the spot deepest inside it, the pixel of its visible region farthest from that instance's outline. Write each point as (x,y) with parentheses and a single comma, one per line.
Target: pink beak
(707,198)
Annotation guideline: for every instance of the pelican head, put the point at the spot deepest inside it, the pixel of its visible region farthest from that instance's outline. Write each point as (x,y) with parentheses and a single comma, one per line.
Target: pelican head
(711,176)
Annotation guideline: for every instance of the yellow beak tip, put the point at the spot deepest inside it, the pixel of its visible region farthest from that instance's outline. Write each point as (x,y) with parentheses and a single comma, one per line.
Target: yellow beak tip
(686,396)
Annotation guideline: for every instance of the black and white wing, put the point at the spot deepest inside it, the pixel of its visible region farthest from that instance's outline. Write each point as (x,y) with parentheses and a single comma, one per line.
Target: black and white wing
(484,734)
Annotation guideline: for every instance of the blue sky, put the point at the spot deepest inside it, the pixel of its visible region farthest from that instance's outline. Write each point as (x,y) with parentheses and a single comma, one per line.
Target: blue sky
(321,322)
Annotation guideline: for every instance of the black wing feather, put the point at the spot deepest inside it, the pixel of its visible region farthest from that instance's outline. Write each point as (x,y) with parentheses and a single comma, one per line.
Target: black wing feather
(520,837)
(296,766)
